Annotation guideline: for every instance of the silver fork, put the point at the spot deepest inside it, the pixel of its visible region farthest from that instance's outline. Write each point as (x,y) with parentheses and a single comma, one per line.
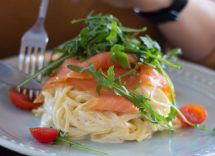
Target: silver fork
(33,46)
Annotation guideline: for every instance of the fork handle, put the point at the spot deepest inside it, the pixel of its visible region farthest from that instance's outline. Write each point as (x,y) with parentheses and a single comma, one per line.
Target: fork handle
(43,9)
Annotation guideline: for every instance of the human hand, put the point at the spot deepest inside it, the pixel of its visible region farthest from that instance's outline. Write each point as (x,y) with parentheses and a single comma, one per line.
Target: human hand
(144,5)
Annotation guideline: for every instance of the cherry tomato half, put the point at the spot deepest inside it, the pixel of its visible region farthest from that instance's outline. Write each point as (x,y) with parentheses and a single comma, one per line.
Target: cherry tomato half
(20,100)
(194,113)
(44,135)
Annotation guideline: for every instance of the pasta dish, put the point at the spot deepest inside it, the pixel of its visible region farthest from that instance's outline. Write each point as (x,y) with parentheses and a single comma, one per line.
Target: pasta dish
(72,105)
(108,84)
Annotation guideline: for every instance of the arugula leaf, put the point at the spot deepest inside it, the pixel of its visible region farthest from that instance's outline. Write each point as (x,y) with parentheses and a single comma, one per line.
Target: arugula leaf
(117,48)
(173,53)
(138,85)
(111,74)
(63,137)
(113,33)
(203,128)
(117,56)
(48,68)
(98,89)
(150,44)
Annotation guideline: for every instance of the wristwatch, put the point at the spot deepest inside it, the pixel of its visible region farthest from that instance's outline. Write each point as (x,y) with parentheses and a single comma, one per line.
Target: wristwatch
(164,15)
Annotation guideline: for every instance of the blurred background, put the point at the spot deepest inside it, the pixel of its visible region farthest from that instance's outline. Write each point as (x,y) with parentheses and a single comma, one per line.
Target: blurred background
(18,16)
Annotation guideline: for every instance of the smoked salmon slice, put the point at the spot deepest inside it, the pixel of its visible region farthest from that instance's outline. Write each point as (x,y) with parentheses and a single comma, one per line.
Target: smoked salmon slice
(107,100)
(111,103)
(101,60)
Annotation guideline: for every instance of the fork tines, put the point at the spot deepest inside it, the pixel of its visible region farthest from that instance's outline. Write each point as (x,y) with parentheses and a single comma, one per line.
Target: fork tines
(31,93)
(31,59)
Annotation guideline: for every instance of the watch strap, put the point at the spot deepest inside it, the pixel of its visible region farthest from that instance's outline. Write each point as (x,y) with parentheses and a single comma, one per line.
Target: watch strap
(164,15)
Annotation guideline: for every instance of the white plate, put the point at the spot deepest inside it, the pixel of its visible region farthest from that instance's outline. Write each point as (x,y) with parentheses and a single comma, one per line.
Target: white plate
(194,84)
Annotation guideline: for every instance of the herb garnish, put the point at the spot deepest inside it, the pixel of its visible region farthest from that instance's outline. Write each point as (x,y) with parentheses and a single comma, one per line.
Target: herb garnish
(106,33)
(63,137)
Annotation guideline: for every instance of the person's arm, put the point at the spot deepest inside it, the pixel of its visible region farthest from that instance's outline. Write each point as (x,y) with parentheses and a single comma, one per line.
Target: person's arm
(194,32)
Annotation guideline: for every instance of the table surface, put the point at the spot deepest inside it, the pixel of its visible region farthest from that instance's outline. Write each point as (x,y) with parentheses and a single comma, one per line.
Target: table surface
(5,151)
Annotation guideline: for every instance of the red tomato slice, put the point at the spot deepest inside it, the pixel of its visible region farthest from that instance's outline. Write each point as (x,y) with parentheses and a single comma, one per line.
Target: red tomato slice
(194,113)
(44,135)
(21,100)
